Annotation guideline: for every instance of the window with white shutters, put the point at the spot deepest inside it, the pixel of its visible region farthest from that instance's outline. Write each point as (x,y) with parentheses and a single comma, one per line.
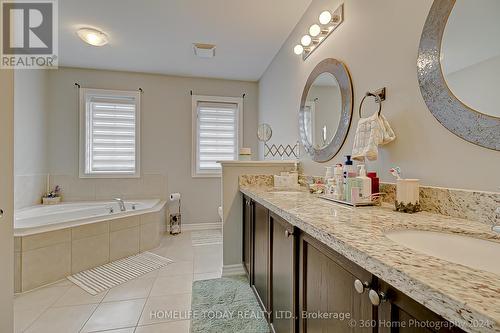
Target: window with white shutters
(216,133)
(110,133)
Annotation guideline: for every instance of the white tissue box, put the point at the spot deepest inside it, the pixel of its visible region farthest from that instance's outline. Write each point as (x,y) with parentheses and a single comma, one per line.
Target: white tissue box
(289,181)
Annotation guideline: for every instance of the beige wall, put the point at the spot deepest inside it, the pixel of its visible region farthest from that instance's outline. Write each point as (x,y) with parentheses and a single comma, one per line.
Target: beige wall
(166,137)
(378,42)
(30,136)
(6,199)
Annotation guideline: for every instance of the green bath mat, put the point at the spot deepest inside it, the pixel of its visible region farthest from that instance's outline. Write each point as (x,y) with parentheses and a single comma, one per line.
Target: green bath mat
(226,305)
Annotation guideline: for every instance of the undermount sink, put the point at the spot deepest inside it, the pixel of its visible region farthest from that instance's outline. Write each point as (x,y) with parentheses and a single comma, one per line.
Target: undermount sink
(468,251)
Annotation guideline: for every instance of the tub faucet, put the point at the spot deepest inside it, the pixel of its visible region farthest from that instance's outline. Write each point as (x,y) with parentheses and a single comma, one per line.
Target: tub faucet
(121,204)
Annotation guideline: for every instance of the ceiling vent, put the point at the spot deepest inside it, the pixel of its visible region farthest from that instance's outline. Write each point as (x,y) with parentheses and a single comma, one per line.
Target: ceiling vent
(204,50)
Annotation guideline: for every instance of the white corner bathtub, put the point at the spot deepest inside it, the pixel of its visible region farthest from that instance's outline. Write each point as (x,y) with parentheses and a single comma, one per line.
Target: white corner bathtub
(37,219)
(52,242)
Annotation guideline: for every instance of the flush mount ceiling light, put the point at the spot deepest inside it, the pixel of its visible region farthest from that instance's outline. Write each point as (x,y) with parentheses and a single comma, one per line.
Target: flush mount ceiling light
(204,50)
(92,36)
(317,34)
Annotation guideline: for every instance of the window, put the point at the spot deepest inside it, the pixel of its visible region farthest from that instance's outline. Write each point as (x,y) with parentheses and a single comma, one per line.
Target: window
(109,133)
(217,133)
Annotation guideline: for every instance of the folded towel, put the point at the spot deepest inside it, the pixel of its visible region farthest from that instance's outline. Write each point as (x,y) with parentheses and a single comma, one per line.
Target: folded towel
(370,133)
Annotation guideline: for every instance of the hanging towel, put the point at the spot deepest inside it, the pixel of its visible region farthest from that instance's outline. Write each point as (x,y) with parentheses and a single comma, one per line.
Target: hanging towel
(370,133)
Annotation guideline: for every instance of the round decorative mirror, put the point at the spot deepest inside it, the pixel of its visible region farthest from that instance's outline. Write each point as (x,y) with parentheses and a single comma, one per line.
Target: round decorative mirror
(326,110)
(459,68)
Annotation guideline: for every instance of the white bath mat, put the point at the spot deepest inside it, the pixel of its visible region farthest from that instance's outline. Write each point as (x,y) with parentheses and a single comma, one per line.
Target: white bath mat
(206,237)
(110,275)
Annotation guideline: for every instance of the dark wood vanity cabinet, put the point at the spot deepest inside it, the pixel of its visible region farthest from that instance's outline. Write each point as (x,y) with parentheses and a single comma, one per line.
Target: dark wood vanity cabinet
(306,287)
(401,314)
(247,234)
(260,277)
(283,272)
(328,301)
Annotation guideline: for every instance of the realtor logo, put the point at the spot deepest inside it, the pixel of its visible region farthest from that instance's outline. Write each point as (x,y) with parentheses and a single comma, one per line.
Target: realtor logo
(29,34)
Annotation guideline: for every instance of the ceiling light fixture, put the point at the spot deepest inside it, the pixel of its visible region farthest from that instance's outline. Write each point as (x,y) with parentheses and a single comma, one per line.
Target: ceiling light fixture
(306,40)
(92,36)
(318,33)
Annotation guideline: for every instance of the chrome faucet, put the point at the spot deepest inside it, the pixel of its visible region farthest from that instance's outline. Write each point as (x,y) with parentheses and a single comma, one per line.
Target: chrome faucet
(121,204)
(496,223)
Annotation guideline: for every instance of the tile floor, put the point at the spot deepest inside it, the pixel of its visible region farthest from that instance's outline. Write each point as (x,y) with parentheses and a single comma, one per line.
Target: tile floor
(65,308)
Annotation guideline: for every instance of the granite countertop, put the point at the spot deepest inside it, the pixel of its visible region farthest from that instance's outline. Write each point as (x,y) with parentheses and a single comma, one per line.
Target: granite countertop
(465,296)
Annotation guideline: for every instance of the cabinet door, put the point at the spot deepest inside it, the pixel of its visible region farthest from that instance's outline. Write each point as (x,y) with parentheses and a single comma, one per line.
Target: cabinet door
(401,314)
(247,235)
(328,301)
(283,275)
(261,254)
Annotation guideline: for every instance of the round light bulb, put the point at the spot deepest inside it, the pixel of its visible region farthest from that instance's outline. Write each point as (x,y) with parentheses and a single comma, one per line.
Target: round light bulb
(314,30)
(298,49)
(325,17)
(306,40)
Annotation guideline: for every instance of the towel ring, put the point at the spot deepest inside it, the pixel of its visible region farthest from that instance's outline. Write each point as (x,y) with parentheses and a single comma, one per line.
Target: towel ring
(378,100)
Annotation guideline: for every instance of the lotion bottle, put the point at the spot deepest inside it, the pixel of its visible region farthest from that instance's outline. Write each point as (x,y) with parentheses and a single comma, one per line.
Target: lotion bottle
(365,184)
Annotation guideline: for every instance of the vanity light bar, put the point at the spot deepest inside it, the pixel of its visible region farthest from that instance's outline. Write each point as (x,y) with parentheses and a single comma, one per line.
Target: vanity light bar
(318,32)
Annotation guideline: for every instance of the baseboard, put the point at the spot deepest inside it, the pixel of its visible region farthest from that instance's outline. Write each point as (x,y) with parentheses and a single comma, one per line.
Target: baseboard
(231,270)
(199,226)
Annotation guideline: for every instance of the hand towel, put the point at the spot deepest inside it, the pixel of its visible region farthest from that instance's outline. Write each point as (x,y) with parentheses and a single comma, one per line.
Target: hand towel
(370,133)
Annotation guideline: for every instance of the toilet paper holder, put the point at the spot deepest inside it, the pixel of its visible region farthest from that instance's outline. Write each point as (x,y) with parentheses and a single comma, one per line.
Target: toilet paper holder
(175,218)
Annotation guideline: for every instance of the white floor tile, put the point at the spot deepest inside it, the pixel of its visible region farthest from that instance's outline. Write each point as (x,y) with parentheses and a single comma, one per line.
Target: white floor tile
(138,288)
(166,308)
(69,319)
(176,284)
(63,307)
(77,296)
(177,268)
(182,326)
(115,315)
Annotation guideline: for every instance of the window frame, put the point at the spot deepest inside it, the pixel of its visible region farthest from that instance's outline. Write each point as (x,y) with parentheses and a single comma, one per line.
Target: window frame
(83,96)
(194,130)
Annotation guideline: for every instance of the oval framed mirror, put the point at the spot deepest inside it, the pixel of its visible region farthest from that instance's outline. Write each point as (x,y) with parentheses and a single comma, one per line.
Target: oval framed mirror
(459,68)
(326,110)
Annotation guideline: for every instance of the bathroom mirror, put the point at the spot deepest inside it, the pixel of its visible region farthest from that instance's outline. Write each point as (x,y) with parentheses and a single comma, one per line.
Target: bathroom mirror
(326,110)
(459,68)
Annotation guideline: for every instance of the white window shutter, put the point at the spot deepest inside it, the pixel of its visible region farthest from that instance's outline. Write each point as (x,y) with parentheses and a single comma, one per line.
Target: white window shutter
(217,135)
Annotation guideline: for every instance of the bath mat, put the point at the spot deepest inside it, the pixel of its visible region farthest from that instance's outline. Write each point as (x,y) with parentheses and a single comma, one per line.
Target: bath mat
(206,237)
(112,274)
(226,305)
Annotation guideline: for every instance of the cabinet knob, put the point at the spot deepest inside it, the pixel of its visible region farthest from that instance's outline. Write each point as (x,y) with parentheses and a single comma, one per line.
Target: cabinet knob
(377,297)
(360,286)
(288,233)
(1,213)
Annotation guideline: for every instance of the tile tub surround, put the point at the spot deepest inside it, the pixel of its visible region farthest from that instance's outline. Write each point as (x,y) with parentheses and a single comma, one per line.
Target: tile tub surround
(47,257)
(458,293)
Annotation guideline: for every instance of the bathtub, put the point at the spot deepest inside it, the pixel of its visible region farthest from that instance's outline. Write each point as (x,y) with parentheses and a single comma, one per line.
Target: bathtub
(52,242)
(37,219)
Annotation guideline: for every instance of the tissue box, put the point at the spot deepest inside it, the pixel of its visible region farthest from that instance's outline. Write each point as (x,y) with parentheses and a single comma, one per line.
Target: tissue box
(286,181)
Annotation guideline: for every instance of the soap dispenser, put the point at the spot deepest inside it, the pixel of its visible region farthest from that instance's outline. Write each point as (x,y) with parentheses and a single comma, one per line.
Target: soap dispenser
(365,184)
